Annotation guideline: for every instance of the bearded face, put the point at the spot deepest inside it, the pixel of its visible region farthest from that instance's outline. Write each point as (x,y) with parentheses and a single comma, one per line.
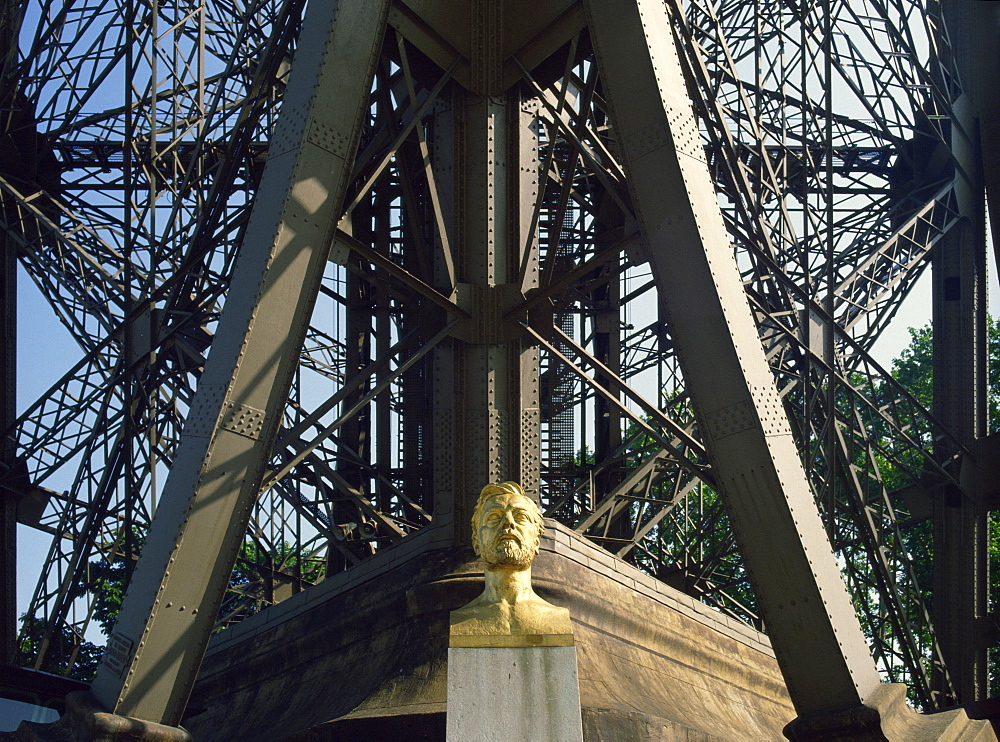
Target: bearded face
(508,551)
(508,531)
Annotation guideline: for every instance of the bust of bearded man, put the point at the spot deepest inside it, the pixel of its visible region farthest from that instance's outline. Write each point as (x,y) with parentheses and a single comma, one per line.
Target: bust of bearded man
(506,528)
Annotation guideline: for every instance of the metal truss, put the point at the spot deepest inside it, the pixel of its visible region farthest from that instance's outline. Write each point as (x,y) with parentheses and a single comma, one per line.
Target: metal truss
(827,132)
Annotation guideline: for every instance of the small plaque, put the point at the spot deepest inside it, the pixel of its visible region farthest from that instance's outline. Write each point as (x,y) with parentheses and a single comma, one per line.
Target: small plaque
(117,654)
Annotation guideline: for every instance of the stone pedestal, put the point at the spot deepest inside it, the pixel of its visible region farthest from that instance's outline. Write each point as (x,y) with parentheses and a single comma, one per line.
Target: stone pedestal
(505,693)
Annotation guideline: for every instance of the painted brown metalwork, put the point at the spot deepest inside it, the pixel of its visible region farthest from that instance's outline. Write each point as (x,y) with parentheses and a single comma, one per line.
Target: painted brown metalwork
(490,306)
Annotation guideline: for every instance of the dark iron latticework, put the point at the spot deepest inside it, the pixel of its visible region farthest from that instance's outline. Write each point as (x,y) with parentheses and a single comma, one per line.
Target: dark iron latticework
(133,138)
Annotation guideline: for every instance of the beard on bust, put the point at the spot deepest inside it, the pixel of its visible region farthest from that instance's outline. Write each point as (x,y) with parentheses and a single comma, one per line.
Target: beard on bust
(509,552)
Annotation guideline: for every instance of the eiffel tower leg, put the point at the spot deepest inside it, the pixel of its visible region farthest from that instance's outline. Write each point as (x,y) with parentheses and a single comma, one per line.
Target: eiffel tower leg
(158,643)
(961,573)
(805,605)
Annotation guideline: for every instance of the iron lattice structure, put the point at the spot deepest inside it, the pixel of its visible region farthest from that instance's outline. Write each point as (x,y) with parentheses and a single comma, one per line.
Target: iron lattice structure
(135,136)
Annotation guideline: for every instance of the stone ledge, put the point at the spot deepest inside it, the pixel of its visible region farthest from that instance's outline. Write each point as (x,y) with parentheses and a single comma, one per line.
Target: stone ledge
(558,539)
(886,716)
(360,658)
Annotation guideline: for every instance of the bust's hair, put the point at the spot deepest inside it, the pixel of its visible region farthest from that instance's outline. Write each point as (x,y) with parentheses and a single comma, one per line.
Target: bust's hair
(505,488)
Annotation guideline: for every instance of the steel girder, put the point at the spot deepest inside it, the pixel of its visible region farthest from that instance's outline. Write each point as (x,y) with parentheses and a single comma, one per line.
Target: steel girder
(832,208)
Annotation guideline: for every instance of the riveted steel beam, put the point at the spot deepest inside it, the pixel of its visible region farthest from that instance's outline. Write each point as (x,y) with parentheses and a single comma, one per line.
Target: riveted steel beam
(805,605)
(961,571)
(168,614)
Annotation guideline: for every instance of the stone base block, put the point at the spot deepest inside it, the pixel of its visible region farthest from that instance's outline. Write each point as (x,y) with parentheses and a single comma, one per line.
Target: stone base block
(505,693)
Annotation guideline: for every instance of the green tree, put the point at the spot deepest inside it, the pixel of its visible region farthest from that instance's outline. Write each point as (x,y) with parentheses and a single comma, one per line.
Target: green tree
(72,655)
(261,578)
(252,586)
(914,368)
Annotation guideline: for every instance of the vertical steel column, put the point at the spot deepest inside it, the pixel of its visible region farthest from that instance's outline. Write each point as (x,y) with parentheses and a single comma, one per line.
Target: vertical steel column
(959,322)
(8,448)
(805,606)
(526,439)
(159,640)
(499,370)
(382,449)
(358,354)
(487,370)
(961,567)
(486,380)
(974,33)
(11,15)
(445,390)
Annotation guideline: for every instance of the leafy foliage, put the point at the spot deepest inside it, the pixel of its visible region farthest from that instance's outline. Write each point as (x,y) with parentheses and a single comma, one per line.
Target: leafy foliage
(259,579)
(914,369)
(72,656)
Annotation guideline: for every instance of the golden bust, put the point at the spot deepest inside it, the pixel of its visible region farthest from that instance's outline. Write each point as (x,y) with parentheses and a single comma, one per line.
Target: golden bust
(506,528)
